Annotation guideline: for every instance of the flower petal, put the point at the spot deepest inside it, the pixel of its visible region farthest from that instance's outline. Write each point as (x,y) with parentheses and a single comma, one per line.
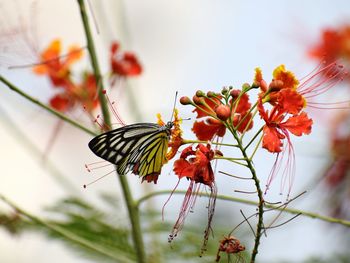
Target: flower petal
(272,139)
(205,131)
(287,77)
(298,124)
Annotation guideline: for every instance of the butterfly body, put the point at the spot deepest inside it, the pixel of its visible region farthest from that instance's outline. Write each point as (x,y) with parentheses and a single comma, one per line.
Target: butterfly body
(138,148)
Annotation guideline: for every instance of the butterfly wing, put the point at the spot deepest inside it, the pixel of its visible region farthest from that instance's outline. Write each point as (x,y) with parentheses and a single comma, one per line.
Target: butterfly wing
(140,148)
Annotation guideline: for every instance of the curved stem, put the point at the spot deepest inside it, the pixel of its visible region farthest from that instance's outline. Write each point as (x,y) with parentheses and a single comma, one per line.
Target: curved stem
(249,202)
(132,209)
(184,141)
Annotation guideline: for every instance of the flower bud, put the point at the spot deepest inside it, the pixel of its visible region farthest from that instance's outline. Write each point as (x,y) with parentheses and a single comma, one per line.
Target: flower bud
(200,93)
(211,94)
(185,100)
(224,90)
(276,85)
(245,86)
(197,100)
(235,93)
(223,112)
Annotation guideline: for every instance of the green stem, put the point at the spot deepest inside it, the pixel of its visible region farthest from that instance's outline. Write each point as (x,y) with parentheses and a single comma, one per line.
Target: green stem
(94,62)
(252,140)
(68,235)
(260,224)
(250,202)
(44,106)
(233,160)
(132,209)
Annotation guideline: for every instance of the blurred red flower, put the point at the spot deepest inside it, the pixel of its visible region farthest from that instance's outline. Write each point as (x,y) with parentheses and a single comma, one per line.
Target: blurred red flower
(123,64)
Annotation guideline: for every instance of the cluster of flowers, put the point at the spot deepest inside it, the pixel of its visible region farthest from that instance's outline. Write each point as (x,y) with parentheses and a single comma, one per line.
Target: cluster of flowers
(280,104)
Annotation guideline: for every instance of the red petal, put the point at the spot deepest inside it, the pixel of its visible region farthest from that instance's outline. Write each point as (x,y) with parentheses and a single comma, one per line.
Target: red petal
(206,132)
(290,101)
(183,168)
(299,124)
(60,103)
(272,139)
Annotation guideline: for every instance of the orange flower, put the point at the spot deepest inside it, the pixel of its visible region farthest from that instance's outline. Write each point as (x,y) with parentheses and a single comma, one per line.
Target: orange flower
(56,66)
(294,94)
(195,166)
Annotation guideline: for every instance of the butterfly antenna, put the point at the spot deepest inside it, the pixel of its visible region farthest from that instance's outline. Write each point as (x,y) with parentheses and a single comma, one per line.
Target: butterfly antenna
(172,115)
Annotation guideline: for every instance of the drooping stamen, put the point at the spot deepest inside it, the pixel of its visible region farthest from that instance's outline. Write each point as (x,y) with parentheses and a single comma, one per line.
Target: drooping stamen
(167,201)
(184,210)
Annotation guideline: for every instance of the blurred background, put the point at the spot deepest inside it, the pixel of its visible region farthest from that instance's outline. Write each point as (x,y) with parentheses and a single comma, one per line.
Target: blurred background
(183,46)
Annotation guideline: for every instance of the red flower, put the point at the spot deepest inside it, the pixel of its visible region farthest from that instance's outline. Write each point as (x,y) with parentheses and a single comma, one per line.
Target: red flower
(278,126)
(207,129)
(334,45)
(124,65)
(276,129)
(84,94)
(195,166)
(60,102)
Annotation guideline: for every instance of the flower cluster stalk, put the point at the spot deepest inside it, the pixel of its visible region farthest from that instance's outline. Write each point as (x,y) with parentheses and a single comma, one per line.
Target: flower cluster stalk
(132,209)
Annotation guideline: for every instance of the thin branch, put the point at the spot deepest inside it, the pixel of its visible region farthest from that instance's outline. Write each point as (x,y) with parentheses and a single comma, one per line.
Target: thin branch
(249,202)
(290,219)
(246,219)
(235,176)
(44,106)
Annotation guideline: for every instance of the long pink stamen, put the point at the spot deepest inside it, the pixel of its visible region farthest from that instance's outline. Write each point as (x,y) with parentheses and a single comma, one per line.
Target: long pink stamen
(315,84)
(113,109)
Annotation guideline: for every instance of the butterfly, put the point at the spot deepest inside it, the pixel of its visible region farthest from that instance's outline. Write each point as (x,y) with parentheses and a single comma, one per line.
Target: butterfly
(139,148)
